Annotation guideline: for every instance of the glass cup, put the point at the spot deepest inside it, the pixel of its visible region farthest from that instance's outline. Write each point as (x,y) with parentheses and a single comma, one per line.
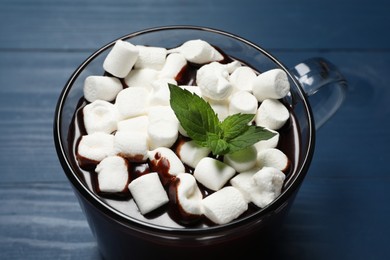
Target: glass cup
(317,91)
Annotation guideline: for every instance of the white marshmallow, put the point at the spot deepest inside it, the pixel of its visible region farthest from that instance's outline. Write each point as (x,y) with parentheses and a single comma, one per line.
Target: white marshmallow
(162,133)
(100,116)
(243,102)
(269,143)
(245,183)
(271,84)
(165,156)
(191,153)
(213,174)
(148,192)
(242,78)
(112,174)
(150,57)
(95,147)
(271,114)
(269,183)
(212,79)
(161,95)
(243,159)
(132,102)
(232,66)
(141,78)
(131,145)
(273,157)
(121,59)
(225,205)
(101,87)
(192,89)
(189,197)
(198,51)
(165,113)
(173,65)
(134,124)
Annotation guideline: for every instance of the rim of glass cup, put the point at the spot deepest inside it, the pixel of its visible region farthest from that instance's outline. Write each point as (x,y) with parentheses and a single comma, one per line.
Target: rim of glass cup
(128,220)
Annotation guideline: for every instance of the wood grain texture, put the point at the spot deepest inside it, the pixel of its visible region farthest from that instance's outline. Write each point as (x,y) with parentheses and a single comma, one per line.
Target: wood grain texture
(282,24)
(40,221)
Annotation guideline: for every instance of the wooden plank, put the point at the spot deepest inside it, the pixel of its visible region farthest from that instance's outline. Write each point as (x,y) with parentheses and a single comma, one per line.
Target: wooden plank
(283,24)
(43,221)
(338,218)
(28,96)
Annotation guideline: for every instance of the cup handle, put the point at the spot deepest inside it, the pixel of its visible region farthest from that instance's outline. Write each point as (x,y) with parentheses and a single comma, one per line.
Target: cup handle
(324,86)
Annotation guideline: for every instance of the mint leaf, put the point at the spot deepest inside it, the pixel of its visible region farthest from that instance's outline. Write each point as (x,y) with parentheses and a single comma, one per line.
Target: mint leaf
(252,135)
(194,114)
(217,145)
(202,125)
(235,124)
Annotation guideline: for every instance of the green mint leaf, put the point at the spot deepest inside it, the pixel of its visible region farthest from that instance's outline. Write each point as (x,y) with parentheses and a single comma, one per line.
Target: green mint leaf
(217,145)
(252,135)
(194,114)
(201,123)
(235,124)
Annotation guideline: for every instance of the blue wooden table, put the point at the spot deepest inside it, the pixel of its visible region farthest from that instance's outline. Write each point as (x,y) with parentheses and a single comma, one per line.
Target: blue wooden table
(343,208)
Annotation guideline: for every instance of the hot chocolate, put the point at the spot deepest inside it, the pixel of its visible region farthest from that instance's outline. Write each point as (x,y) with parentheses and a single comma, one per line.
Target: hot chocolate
(172,213)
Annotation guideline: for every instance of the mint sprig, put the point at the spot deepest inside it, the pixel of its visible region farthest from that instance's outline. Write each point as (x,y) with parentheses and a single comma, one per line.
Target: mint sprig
(201,124)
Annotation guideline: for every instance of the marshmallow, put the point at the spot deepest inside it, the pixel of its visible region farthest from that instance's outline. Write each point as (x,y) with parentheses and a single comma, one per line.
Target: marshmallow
(271,114)
(164,161)
(271,84)
(131,145)
(232,66)
(212,79)
(242,102)
(192,89)
(121,59)
(161,95)
(95,147)
(242,78)
(269,183)
(132,102)
(134,124)
(162,133)
(150,57)
(198,51)
(173,65)
(191,153)
(243,159)
(188,195)
(141,78)
(245,183)
(112,174)
(101,87)
(273,157)
(268,143)
(213,174)
(225,205)
(100,116)
(148,192)
(165,113)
